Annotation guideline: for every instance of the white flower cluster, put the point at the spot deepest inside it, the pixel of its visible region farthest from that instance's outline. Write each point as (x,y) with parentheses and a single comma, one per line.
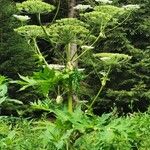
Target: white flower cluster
(131,6)
(56,66)
(82,7)
(22,18)
(104,1)
(61,67)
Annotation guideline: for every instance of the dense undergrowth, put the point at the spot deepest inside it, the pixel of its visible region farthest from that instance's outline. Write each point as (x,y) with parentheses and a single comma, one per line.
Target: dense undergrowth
(78,131)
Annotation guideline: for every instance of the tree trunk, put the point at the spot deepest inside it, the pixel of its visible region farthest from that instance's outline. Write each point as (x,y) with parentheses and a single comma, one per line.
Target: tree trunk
(72,14)
(73,46)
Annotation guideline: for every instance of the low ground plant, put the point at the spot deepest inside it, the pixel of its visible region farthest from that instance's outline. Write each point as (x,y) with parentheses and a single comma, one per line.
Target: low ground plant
(78,131)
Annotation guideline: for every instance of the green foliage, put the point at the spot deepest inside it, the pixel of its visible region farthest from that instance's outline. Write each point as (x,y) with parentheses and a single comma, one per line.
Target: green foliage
(3,89)
(46,105)
(103,15)
(4,99)
(65,32)
(15,53)
(44,81)
(67,126)
(99,21)
(16,56)
(76,131)
(128,88)
(134,83)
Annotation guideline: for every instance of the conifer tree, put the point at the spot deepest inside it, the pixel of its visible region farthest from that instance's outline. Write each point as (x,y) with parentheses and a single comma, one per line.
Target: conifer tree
(15,54)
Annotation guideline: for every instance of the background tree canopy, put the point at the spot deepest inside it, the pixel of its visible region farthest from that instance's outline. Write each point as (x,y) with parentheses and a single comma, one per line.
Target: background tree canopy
(128,88)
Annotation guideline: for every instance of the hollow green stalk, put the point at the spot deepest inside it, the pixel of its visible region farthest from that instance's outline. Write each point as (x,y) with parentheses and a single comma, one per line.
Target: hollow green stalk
(44,30)
(101,88)
(58,8)
(70,88)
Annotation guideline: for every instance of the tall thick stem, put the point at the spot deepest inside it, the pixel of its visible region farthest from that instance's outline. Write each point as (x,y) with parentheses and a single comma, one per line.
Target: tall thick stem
(70,99)
(70,88)
(68,49)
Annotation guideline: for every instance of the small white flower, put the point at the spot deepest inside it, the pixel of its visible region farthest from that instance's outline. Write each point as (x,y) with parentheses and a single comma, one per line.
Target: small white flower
(104,1)
(81,69)
(131,6)
(82,7)
(87,47)
(22,18)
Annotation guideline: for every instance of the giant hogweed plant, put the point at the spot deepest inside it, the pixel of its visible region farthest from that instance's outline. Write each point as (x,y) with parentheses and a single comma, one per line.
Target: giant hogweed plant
(62,33)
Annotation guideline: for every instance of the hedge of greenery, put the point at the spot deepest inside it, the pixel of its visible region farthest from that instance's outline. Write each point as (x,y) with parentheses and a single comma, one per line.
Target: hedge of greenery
(76,132)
